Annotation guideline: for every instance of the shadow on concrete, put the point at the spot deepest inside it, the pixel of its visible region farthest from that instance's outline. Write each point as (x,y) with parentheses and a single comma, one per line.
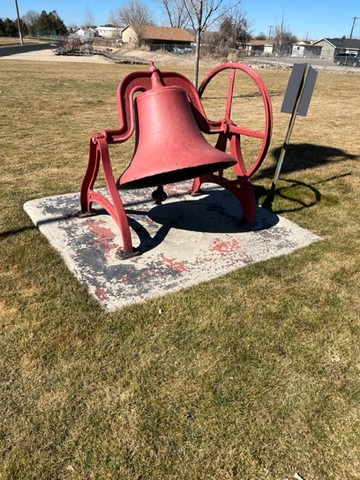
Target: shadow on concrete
(217,212)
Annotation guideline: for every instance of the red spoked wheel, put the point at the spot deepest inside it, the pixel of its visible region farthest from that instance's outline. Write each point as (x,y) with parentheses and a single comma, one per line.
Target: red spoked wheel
(232,131)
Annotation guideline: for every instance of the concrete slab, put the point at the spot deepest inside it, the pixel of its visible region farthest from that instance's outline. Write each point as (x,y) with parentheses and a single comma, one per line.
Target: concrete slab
(184,241)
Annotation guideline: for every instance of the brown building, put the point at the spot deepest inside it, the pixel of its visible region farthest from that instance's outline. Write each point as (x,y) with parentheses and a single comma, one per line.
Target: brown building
(159,37)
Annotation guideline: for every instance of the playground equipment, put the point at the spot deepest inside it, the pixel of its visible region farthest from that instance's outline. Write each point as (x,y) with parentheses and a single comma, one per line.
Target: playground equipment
(169,122)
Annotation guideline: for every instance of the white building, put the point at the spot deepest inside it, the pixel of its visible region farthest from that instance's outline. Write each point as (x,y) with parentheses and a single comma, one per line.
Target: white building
(259,47)
(303,49)
(108,31)
(85,33)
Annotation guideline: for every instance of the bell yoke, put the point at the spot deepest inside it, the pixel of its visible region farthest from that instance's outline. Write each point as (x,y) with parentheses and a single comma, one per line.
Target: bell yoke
(168,119)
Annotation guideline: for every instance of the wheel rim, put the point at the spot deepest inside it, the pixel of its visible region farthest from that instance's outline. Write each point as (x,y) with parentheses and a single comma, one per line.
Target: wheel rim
(238,131)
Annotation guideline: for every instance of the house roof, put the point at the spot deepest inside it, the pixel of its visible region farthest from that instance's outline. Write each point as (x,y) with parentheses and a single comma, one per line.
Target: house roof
(151,32)
(107,28)
(306,45)
(258,43)
(341,42)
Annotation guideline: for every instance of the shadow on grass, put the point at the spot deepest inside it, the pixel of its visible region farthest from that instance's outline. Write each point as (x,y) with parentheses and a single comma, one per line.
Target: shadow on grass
(9,233)
(300,157)
(16,231)
(285,193)
(304,156)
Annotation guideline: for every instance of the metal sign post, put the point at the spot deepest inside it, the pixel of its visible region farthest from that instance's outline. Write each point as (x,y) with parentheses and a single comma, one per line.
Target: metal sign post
(296,101)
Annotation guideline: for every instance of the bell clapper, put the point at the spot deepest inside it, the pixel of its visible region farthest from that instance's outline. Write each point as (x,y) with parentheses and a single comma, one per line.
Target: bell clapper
(159,195)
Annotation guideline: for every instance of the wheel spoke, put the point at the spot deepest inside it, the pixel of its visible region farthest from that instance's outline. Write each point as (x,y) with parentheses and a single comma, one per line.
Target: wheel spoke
(234,132)
(249,132)
(230,94)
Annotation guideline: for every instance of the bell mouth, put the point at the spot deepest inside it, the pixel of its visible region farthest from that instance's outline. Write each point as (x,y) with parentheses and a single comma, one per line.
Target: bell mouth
(175,176)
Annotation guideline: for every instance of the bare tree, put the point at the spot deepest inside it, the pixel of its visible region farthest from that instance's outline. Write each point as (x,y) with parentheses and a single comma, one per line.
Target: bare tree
(72,28)
(31,18)
(175,13)
(135,14)
(89,19)
(199,15)
(233,32)
(283,39)
(261,36)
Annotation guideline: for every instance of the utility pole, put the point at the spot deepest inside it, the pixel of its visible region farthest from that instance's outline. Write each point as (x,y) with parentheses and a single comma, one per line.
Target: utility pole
(270,28)
(18,22)
(353,25)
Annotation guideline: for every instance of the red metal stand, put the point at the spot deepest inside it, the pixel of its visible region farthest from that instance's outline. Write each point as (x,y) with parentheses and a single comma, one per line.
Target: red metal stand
(226,129)
(241,188)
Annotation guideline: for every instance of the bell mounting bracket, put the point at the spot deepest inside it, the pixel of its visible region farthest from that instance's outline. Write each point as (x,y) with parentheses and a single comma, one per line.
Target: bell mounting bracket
(226,129)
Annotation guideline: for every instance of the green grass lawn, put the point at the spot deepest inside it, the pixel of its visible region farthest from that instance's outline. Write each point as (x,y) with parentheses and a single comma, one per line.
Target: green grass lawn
(254,375)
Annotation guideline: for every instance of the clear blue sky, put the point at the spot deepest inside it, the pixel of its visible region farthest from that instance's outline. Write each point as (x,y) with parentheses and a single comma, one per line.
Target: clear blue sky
(312,19)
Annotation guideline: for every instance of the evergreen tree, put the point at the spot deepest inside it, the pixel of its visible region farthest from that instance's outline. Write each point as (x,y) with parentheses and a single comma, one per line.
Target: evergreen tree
(9,28)
(49,24)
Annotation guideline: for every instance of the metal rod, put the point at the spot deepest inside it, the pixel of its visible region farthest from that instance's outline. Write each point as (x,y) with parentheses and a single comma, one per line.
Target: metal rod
(271,194)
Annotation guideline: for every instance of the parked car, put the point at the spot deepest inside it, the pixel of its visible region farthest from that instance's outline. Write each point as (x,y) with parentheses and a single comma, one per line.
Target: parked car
(349,59)
(182,50)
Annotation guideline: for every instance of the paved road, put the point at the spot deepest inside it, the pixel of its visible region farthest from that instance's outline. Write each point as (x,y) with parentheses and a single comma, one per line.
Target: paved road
(5,51)
(317,63)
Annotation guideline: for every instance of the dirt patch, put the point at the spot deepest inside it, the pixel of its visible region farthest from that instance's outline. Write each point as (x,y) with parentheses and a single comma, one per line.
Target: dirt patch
(121,55)
(159,57)
(49,56)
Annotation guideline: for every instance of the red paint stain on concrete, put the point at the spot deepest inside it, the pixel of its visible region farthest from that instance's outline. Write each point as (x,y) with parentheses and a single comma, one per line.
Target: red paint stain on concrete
(225,246)
(101,294)
(145,274)
(174,265)
(104,236)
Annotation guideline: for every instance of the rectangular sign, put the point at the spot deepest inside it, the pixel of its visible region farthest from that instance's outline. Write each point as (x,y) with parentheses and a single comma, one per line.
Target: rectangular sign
(307,92)
(299,90)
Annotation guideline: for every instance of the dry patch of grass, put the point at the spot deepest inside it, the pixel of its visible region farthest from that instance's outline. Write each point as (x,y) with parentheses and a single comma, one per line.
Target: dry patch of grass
(15,41)
(253,375)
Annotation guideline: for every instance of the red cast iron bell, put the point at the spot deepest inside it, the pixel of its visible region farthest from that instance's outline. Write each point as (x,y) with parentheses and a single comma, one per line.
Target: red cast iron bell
(168,118)
(169,147)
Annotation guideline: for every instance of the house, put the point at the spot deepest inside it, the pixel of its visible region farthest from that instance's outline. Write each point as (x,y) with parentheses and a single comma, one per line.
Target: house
(86,33)
(258,47)
(159,37)
(304,49)
(107,31)
(333,46)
